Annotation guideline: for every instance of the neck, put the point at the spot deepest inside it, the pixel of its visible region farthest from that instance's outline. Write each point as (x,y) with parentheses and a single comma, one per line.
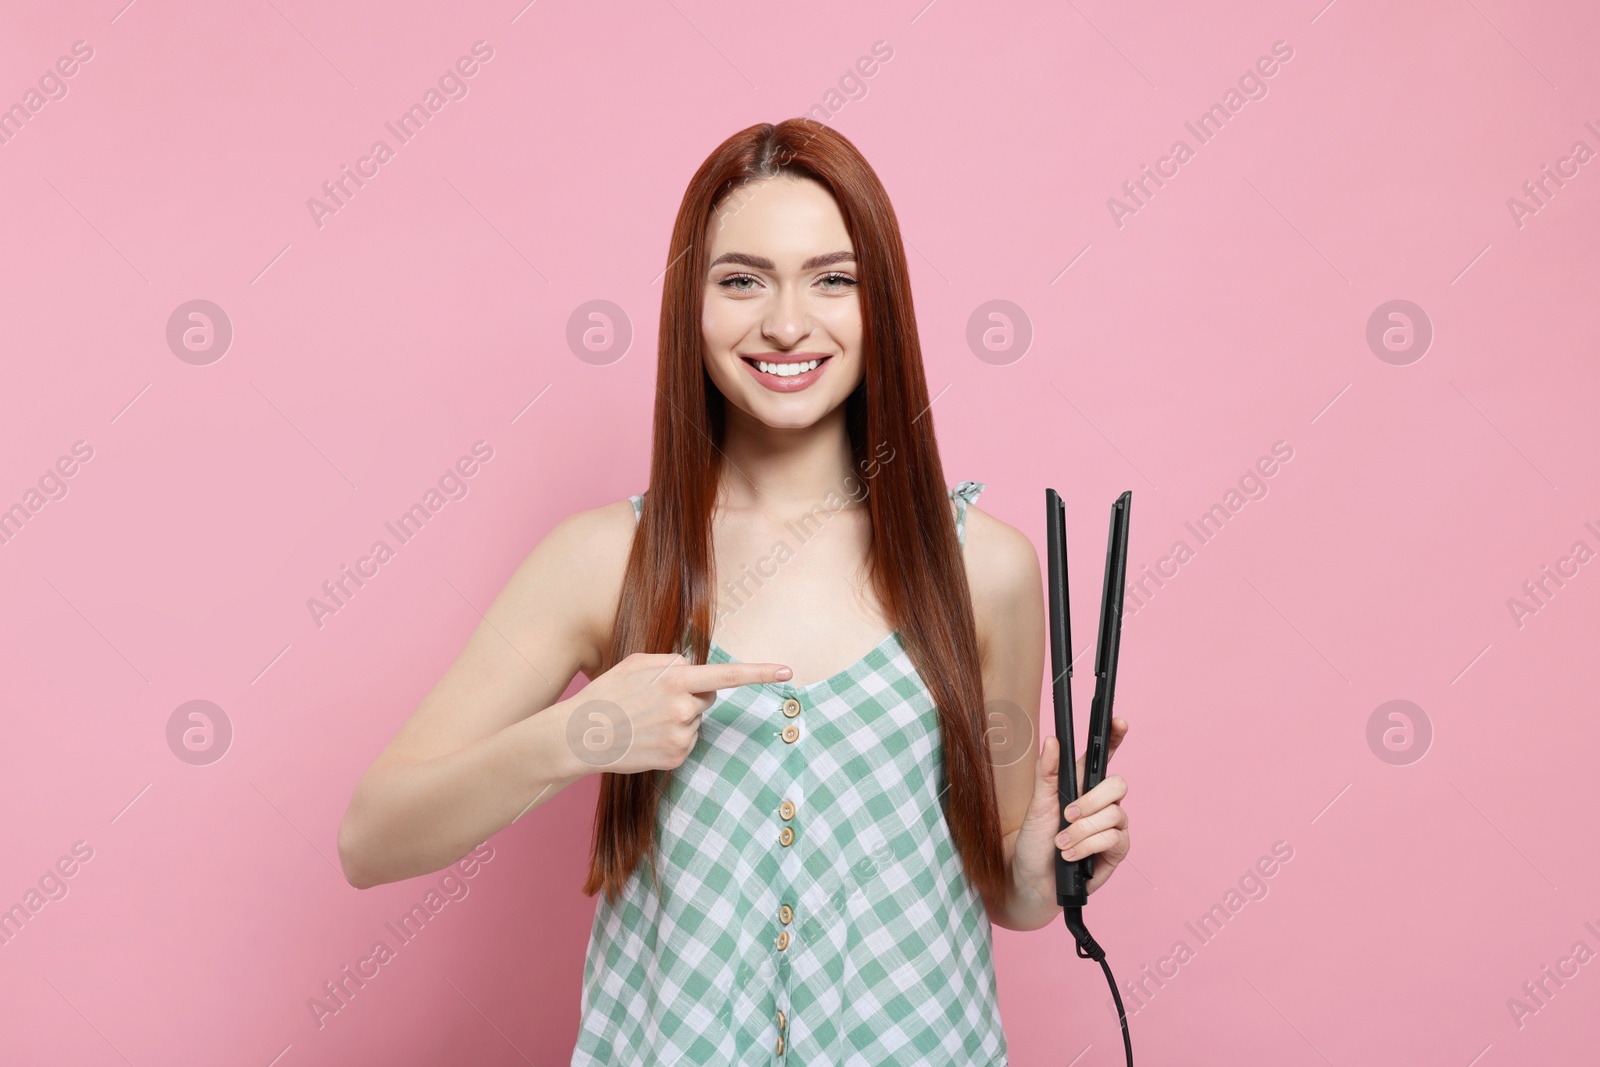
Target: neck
(780,471)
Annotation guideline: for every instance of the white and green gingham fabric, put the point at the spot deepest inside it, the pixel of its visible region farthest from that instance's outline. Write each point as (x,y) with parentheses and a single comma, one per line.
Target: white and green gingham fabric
(888,958)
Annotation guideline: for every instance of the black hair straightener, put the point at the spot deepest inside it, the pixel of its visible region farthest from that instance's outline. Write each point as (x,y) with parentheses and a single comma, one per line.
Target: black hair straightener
(1072,876)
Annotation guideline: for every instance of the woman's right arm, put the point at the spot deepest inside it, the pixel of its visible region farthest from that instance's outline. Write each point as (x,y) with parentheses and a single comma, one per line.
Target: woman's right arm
(488,744)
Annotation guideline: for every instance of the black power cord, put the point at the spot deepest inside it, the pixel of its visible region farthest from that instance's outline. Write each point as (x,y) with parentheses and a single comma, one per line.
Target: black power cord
(1089,949)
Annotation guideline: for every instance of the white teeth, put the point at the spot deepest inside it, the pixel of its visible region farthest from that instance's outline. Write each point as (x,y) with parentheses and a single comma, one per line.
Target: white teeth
(787,370)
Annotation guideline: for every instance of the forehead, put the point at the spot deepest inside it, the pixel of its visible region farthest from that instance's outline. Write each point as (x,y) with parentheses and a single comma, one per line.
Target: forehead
(784,219)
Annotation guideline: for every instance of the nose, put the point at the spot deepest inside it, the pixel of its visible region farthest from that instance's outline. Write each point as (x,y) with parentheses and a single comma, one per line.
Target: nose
(786,321)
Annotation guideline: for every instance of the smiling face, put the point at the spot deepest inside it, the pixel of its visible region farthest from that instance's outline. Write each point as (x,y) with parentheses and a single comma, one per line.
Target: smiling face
(782,317)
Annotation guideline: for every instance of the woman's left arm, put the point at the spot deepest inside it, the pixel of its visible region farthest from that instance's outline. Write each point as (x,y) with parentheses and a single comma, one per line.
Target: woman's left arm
(1008,602)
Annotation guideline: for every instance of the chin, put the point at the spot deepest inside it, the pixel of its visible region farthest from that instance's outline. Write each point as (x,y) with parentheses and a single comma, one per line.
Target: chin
(790,413)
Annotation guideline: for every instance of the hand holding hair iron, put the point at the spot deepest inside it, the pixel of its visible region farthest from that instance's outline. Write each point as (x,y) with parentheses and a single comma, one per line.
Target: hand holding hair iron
(1072,876)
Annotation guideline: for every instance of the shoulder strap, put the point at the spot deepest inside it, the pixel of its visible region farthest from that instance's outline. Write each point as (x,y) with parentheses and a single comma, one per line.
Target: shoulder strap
(637,500)
(964,493)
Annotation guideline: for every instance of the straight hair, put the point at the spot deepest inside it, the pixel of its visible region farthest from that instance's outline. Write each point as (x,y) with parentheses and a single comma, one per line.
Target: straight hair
(914,559)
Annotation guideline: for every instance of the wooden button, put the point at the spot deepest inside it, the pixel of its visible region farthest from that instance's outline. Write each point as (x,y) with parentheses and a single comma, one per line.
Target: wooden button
(786,809)
(783,940)
(791,707)
(783,1020)
(785,914)
(791,734)
(780,1044)
(786,837)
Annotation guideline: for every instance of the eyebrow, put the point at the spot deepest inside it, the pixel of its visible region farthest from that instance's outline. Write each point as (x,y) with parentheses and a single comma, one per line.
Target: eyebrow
(763,263)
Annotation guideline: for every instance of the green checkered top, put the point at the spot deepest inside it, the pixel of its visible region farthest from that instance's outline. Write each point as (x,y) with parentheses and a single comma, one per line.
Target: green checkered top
(813,910)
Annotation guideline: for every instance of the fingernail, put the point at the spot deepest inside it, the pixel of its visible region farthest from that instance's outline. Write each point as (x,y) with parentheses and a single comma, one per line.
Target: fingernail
(784,673)
(1071,852)
(1074,813)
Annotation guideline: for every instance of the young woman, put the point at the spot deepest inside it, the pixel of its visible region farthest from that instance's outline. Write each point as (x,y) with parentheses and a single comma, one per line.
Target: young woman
(802,842)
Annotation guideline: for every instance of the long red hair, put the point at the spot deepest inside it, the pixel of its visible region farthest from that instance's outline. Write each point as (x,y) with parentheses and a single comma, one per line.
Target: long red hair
(914,559)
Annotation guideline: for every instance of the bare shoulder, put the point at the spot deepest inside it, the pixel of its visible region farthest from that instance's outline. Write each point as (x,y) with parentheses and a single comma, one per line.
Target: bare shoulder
(1004,577)
(577,570)
(605,529)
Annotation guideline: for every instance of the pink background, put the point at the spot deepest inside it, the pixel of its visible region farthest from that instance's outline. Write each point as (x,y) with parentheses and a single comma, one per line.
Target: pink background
(1227,314)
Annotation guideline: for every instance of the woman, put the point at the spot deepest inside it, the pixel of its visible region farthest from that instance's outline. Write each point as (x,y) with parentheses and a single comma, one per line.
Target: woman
(801,847)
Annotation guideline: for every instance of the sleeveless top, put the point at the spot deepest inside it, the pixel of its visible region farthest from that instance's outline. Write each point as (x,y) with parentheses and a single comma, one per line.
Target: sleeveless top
(813,911)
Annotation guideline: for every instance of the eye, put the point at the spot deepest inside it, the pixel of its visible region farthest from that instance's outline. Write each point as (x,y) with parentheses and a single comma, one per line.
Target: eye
(727,283)
(843,281)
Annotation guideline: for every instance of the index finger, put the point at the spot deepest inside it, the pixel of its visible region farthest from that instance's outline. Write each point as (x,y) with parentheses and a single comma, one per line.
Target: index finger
(709,677)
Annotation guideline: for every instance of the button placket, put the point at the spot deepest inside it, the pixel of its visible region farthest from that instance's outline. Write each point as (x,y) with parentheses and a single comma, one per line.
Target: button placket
(791,759)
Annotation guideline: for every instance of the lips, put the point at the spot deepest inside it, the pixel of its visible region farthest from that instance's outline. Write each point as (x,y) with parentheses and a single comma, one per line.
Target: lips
(781,382)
